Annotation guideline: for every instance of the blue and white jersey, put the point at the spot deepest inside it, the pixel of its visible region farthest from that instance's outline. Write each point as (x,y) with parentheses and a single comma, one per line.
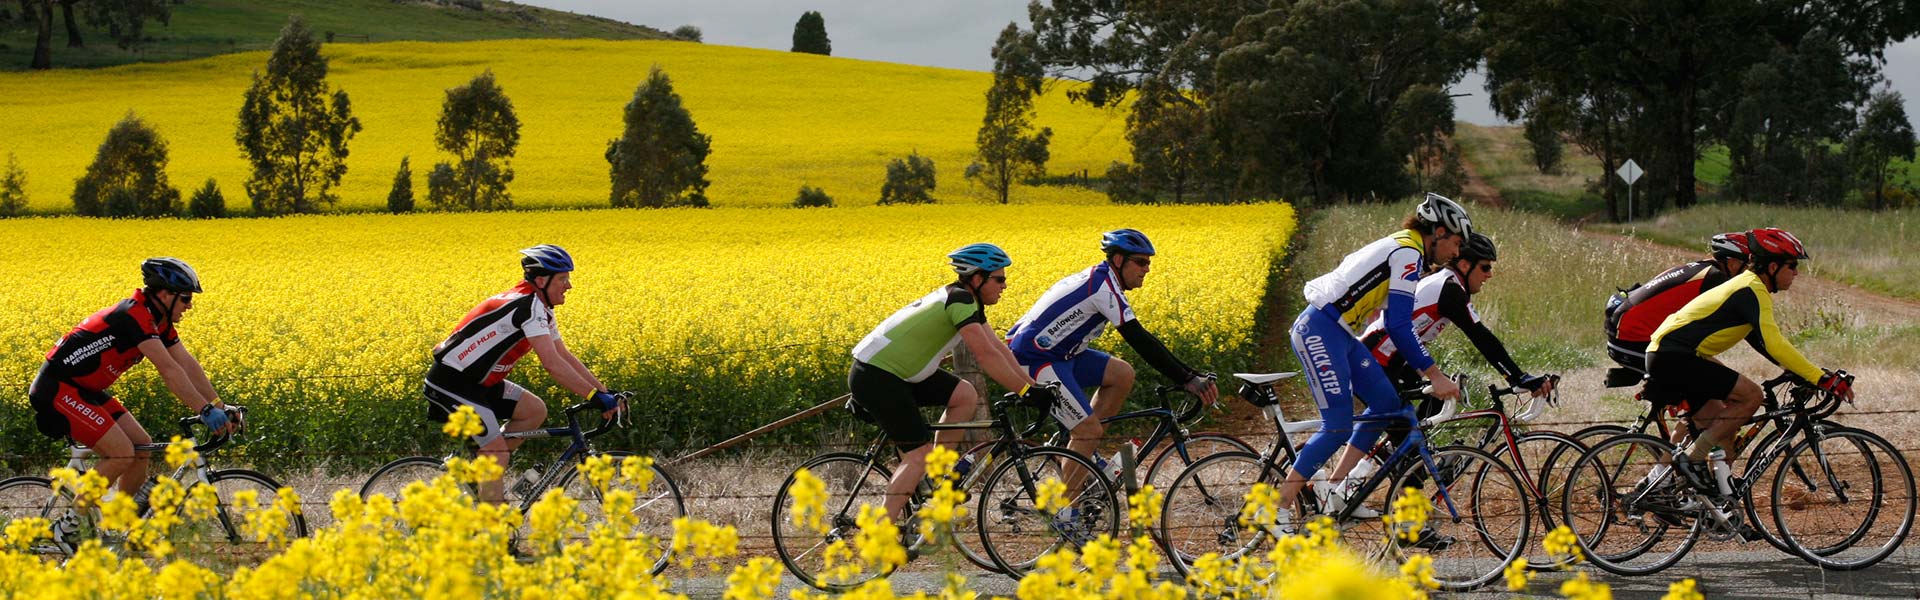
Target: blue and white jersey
(1070,315)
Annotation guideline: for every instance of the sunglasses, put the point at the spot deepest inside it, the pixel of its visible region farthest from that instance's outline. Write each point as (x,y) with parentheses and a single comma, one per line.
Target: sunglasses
(1000,279)
(1794,264)
(1486,268)
(186,299)
(1143,262)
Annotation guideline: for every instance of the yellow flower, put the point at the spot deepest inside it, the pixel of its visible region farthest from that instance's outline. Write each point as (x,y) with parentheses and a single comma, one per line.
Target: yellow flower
(203,502)
(638,471)
(1143,507)
(1419,570)
(809,501)
(940,463)
(1409,514)
(1518,575)
(1561,543)
(1582,588)
(180,453)
(1261,508)
(940,511)
(1684,589)
(755,580)
(599,470)
(1051,496)
(463,423)
(23,532)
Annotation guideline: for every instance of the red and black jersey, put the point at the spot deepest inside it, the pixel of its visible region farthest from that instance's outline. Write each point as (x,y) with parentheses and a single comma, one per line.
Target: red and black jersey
(1647,305)
(101,349)
(490,339)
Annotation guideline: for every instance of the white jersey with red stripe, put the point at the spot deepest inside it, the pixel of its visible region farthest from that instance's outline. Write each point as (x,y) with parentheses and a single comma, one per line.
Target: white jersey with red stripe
(1427,321)
(492,337)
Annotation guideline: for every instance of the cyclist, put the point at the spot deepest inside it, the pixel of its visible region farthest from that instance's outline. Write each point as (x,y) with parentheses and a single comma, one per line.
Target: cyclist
(69,395)
(1326,336)
(1633,314)
(1681,364)
(1051,340)
(896,368)
(470,367)
(1444,297)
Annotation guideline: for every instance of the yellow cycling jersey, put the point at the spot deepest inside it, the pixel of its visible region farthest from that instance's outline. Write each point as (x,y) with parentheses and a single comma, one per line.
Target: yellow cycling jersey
(1358,288)
(1740,309)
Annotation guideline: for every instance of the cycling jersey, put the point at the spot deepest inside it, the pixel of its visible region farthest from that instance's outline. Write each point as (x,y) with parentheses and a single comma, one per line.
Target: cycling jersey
(911,343)
(1070,315)
(1439,300)
(98,351)
(1740,309)
(1646,305)
(489,340)
(1367,280)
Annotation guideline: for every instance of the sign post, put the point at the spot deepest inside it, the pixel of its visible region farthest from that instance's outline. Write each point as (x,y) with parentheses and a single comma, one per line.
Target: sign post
(1630,173)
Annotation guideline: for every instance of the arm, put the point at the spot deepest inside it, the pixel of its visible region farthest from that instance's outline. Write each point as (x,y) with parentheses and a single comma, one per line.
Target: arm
(1456,308)
(560,363)
(175,375)
(1404,265)
(1155,352)
(574,360)
(1767,338)
(994,356)
(195,373)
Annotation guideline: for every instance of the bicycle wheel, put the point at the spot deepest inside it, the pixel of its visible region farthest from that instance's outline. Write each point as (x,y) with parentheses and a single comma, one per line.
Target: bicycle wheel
(235,529)
(1478,520)
(1548,456)
(1202,512)
(966,531)
(654,508)
(1845,499)
(392,478)
(1168,464)
(1630,513)
(31,497)
(1016,532)
(850,482)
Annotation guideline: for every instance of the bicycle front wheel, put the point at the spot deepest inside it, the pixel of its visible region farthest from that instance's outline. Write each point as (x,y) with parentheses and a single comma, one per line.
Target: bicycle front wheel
(1017,532)
(1203,506)
(1548,456)
(654,507)
(394,477)
(1630,513)
(1478,518)
(850,482)
(242,528)
(1168,464)
(1844,499)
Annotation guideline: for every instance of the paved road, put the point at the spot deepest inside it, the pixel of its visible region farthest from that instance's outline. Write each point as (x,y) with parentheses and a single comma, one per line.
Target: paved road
(1721,575)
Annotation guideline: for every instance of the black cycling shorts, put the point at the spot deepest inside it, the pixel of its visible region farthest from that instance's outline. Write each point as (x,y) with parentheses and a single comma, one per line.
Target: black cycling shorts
(894,403)
(1684,379)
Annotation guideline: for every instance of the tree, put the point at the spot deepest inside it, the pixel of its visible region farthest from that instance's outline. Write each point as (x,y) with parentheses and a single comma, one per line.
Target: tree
(1788,109)
(908,181)
(478,126)
(1173,151)
(660,159)
(292,133)
(208,202)
(1543,139)
(124,20)
(13,189)
(1008,149)
(810,34)
(1117,46)
(128,177)
(1885,133)
(687,33)
(400,197)
(810,197)
(1420,126)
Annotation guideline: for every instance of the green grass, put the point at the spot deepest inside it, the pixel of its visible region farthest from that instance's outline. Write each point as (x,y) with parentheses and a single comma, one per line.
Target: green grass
(1863,248)
(202,28)
(1505,161)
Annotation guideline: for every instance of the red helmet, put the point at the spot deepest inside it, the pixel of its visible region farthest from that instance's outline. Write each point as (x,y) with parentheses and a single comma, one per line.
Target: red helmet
(1732,244)
(1770,244)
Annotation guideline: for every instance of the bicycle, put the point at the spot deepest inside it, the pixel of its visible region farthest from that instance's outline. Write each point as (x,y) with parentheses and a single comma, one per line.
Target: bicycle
(1625,485)
(1204,506)
(655,508)
(33,496)
(1524,449)
(1013,531)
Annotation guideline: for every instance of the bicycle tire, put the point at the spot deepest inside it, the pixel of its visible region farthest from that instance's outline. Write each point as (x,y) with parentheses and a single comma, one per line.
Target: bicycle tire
(841,472)
(1891,492)
(1605,499)
(392,478)
(1007,503)
(29,496)
(1499,521)
(1203,506)
(1199,446)
(655,508)
(1551,466)
(227,526)
(966,532)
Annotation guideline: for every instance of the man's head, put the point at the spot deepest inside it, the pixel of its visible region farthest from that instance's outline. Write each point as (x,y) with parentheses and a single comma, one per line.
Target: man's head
(1475,263)
(170,283)
(1776,257)
(1729,251)
(982,269)
(1443,224)
(1129,254)
(550,270)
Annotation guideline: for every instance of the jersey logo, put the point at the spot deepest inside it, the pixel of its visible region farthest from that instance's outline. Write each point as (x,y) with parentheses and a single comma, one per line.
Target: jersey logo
(1410,275)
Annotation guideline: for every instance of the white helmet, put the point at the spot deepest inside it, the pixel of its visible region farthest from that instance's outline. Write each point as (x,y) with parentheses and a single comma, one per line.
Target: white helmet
(1439,210)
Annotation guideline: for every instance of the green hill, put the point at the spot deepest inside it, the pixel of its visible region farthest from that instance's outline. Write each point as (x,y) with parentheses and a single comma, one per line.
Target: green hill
(202,28)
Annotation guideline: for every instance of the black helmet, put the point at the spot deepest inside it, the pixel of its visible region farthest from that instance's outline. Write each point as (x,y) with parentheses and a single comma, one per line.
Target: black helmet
(170,274)
(1478,247)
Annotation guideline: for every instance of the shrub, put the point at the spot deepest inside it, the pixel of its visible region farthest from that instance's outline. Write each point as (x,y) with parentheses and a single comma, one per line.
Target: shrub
(908,181)
(811,197)
(13,189)
(687,33)
(128,177)
(207,202)
(400,198)
(441,183)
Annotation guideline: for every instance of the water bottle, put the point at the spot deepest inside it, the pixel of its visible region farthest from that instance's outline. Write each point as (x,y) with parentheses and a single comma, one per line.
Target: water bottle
(1111,466)
(1722,472)
(962,467)
(523,487)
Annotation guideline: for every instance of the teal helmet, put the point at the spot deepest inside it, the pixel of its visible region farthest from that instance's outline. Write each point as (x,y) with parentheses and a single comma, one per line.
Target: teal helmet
(978,258)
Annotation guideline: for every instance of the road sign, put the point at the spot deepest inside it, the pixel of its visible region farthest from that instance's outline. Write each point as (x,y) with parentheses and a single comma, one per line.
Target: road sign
(1630,172)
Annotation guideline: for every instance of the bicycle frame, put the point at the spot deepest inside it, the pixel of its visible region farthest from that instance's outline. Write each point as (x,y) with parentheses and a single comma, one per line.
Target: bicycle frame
(1167,427)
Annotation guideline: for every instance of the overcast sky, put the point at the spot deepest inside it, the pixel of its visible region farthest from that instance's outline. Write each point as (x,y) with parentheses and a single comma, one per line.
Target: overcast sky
(958,33)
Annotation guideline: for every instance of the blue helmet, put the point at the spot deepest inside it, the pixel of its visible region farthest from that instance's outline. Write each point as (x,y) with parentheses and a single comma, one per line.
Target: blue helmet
(170,274)
(545,259)
(1126,241)
(977,258)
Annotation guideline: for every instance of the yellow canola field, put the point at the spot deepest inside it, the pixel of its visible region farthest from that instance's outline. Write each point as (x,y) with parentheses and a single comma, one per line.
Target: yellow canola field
(722,319)
(778,119)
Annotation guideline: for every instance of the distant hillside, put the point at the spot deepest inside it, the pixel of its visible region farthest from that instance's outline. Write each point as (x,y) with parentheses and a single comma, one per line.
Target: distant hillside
(202,28)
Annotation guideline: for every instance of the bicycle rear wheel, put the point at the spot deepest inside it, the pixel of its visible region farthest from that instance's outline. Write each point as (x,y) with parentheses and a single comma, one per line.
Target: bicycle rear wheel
(394,477)
(1168,463)
(33,497)
(1016,532)
(1548,456)
(236,529)
(654,508)
(1630,513)
(1844,499)
(851,481)
(1478,520)
(1203,505)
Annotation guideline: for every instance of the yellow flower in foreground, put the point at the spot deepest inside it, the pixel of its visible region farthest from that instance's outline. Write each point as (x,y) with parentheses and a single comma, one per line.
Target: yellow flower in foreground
(1410,512)
(180,453)
(1051,497)
(1582,588)
(940,463)
(1684,589)
(23,532)
(809,501)
(1561,544)
(463,423)
(1143,507)
(1518,575)
(754,581)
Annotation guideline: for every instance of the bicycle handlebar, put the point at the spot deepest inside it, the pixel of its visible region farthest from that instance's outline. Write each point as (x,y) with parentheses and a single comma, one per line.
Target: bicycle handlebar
(573,419)
(237,416)
(1163,392)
